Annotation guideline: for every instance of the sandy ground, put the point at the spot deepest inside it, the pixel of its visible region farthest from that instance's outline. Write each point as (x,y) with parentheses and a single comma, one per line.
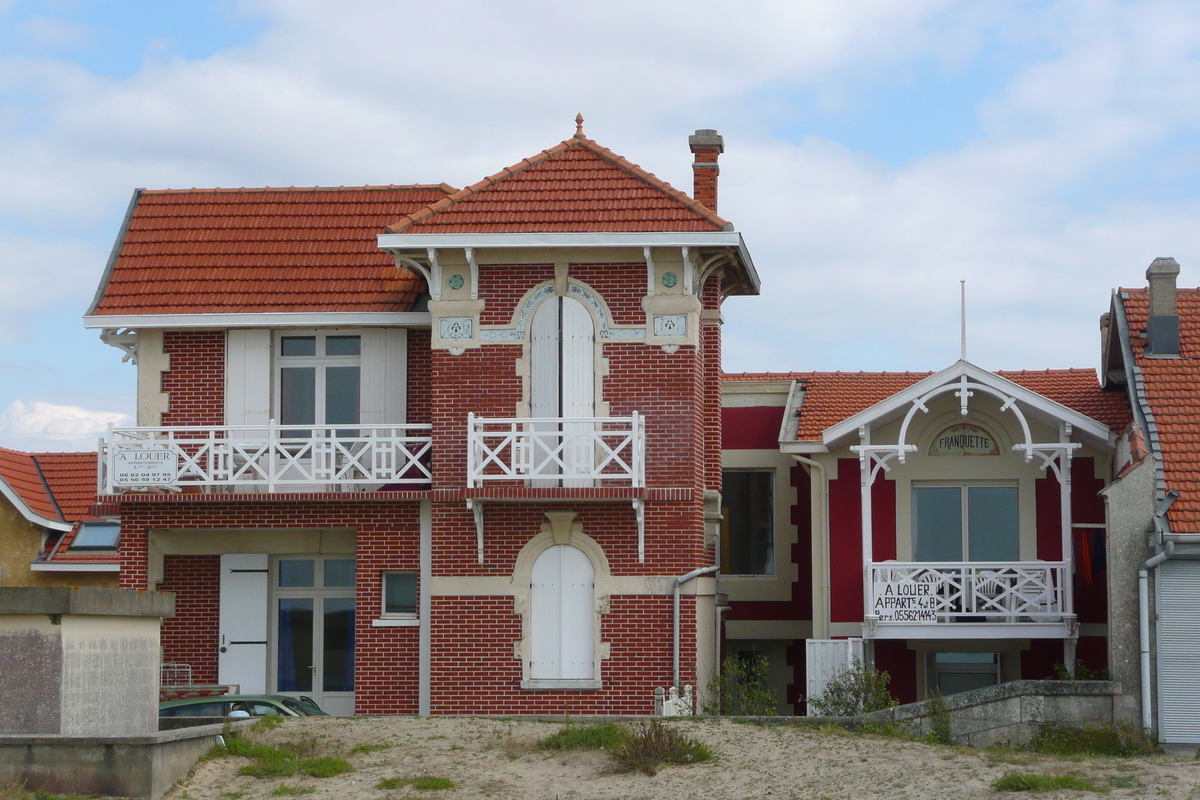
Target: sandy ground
(490,758)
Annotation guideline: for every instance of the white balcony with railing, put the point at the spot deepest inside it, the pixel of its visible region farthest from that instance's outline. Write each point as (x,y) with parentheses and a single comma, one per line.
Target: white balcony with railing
(266,458)
(951,599)
(552,452)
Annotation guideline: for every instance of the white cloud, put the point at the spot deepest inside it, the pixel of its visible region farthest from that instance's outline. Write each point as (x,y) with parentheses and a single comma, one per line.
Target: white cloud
(39,425)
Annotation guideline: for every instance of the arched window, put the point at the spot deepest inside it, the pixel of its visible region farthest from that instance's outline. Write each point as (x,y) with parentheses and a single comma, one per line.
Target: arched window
(562,615)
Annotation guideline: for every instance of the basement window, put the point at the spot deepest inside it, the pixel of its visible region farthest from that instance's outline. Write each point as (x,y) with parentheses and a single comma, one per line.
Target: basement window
(399,598)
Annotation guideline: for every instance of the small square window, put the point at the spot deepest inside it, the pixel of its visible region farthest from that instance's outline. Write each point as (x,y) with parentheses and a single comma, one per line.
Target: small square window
(341,345)
(399,594)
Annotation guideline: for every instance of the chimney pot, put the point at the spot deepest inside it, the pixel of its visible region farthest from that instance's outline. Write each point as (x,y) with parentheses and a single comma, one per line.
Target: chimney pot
(707,145)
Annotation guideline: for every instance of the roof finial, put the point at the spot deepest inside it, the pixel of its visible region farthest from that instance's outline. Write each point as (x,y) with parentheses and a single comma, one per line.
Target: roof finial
(579,124)
(963,318)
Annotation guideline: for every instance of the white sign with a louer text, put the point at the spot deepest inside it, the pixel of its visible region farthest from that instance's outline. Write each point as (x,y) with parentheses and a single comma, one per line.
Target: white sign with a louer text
(146,466)
(905,601)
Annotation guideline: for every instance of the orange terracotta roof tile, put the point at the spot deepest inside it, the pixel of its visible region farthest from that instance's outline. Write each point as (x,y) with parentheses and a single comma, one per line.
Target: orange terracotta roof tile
(263,250)
(575,186)
(831,397)
(19,471)
(1172,387)
(72,479)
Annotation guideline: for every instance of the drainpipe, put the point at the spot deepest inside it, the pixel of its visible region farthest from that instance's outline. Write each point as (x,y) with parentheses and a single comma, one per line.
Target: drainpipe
(682,579)
(425,611)
(1144,621)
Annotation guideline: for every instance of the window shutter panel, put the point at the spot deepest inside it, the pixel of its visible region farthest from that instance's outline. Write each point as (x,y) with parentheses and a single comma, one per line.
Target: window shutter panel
(578,355)
(384,376)
(543,357)
(562,616)
(248,377)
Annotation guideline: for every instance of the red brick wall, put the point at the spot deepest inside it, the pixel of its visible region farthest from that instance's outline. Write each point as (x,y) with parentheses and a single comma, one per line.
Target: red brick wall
(419,377)
(503,286)
(196,381)
(192,635)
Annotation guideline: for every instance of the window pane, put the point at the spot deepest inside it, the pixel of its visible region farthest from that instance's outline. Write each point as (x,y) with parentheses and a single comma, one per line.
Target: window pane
(748,546)
(338,664)
(937,523)
(97,535)
(341,396)
(965,658)
(400,593)
(295,646)
(992,523)
(339,572)
(295,573)
(297,395)
(298,346)
(341,345)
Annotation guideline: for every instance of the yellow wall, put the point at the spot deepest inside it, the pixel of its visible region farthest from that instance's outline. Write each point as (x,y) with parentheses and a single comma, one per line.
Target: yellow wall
(20,543)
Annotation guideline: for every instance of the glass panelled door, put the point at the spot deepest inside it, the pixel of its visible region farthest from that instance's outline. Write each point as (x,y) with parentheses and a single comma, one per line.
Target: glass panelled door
(314,630)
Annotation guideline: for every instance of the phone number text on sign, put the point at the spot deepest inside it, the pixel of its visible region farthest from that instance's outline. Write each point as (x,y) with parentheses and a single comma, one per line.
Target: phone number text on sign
(150,466)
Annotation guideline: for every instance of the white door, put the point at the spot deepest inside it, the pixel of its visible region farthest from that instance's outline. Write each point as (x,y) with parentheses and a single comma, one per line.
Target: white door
(314,633)
(562,621)
(1178,652)
(562,386)
(242,657)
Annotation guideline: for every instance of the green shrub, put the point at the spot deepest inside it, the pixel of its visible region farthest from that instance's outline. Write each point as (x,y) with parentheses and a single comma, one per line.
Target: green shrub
(652,744)
(422,783)
(1042,782)
(600,736)
(855,690)
(1082,673)
(325,766)
(939,721)
(1121,739)
(741,690)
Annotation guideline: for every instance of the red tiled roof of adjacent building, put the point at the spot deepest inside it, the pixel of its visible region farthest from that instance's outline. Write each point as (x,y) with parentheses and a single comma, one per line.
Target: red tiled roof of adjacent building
(831,397)
(48,482)
(1172,387)
(575,186)
(19,471)
(263,250)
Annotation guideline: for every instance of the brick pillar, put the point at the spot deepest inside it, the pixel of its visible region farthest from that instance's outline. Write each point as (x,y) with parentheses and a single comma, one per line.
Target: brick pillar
(707,146)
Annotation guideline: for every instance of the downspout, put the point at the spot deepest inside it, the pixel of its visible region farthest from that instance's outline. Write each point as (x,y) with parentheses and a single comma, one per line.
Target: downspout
(820,533)
(682,579)
(425,608)
(1144,623)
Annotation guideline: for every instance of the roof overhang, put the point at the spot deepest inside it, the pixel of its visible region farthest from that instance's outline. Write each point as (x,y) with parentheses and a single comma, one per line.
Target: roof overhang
(1033,404)
(28,513)
(401,242)
(75,566)
(272,319)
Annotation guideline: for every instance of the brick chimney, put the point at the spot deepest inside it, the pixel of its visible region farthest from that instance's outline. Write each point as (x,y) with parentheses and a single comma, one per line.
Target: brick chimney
(1162,328)
(707,145)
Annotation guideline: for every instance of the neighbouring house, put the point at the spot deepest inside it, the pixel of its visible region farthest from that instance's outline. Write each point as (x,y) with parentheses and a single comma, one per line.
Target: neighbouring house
(48,533)
(982,556)
(1152,353)
(407,449)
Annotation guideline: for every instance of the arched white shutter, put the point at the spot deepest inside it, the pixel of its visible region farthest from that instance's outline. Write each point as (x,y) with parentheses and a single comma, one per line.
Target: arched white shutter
(562,616)
(577,388)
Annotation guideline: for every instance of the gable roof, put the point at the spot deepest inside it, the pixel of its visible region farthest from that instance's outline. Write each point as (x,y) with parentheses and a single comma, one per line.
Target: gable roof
(53,490)
(204,251)
(576,186)
(1171,389)
(833,397)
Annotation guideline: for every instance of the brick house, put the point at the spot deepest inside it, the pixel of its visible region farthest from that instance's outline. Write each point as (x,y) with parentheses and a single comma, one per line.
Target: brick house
(982,559)
(407,449)
(48,533)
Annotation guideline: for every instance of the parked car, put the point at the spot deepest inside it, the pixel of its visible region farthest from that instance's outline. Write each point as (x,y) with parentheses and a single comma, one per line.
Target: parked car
(237,705)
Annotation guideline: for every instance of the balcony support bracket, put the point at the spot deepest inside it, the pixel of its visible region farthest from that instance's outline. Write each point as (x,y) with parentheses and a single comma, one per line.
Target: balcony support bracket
(639,508)
(476,508)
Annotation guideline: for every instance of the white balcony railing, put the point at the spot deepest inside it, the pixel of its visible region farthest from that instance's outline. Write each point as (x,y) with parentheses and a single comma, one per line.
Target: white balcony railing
(571,452)
(266,457)
(957,592)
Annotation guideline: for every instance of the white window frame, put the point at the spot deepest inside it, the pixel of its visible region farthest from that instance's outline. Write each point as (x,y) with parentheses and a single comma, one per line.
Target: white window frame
(395,619)
(319,363)
(773,516)
(964,509)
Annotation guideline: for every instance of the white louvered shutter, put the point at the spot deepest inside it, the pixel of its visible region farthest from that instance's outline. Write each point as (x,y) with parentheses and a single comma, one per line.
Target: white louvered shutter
(544,353)
(562,616)
(577,387)
(1179,651)
(248,377)
(383,399)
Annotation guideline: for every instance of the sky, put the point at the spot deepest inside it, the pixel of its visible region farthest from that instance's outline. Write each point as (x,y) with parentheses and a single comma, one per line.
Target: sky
(876,154)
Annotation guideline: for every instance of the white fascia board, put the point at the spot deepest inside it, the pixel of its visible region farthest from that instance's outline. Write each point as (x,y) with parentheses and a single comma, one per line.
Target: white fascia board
(803,448)
(1042,407)
(273,319)
(28,513)
(75,566)
(424,241)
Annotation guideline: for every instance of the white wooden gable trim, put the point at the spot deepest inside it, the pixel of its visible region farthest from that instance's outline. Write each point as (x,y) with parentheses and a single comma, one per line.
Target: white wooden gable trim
(1039,407)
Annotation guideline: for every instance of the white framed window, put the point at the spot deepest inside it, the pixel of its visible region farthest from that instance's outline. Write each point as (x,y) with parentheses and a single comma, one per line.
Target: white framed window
(965,522)
(748,527)
(398,597)
(318,377)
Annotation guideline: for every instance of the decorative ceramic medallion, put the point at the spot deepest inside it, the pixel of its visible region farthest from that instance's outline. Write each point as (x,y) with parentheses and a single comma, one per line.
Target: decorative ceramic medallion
(456,281)
(670,325)
(451,328)
(670,279)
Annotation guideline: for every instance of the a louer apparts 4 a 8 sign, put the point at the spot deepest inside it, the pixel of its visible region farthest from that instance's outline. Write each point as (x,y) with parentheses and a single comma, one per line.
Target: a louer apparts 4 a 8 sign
(904,601)
(145,466)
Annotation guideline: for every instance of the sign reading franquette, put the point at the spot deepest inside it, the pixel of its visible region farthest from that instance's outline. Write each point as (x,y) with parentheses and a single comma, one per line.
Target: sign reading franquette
(964,439)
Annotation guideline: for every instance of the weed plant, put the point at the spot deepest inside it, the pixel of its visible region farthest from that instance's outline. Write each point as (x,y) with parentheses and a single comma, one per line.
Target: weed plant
(652,744)
(598,736)
(281,762)
(855,690)
(286,790)
(422,783)
(741,690)
(1042,782)
(1121,739)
